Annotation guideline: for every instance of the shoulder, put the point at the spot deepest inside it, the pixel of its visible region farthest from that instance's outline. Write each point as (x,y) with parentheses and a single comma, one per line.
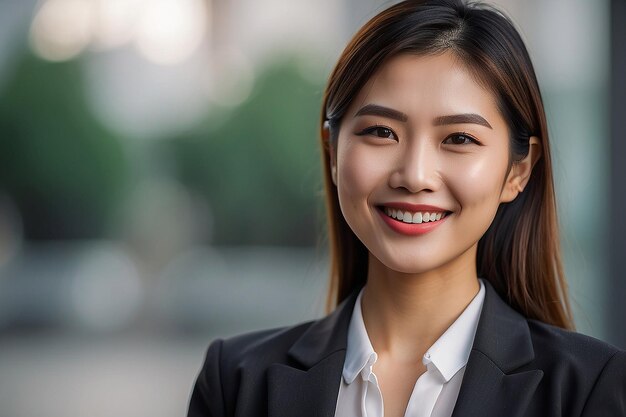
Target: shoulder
(575,375)
(514,341)
(260,347)
(234,369)
(580,366)
(562,346)
(558,343)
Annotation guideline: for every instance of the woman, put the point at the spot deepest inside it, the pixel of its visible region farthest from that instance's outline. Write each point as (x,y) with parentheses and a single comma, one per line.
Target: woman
(444,245)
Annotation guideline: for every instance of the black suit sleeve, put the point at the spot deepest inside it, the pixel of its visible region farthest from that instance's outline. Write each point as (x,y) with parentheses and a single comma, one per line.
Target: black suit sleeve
(608,396)
(207,399)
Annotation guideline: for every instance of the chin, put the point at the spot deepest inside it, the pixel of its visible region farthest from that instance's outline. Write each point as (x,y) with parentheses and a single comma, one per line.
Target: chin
(422,260)
(411,265)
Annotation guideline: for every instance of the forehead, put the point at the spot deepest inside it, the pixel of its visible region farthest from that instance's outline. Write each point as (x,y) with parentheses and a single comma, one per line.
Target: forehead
(430,85)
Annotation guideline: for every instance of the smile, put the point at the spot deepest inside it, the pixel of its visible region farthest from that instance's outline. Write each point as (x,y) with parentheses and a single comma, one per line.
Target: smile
(411,223)
(414,217)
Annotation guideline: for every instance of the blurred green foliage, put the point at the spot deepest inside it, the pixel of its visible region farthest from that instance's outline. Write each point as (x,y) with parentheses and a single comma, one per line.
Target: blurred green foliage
(63,169)
(259,165)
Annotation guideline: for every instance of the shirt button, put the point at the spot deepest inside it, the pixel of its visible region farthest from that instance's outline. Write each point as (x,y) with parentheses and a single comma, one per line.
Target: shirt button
(427,355)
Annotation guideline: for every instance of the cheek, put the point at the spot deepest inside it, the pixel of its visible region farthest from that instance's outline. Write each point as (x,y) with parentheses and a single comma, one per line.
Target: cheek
(359,171)
(478,182)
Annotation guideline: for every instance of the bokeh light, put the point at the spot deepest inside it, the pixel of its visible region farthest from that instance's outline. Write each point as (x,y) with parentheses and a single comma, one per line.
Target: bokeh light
(169,31)
(62,29)
(165,32)
(115,22)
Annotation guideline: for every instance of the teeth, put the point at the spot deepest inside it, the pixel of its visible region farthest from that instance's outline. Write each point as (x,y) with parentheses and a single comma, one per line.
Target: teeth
(418,217)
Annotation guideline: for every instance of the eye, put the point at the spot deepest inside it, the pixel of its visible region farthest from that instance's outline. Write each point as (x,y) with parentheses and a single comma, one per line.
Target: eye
(378,131)
(460,139)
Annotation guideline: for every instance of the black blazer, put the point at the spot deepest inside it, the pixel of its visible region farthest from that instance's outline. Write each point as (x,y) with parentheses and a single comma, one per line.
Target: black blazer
(517,367)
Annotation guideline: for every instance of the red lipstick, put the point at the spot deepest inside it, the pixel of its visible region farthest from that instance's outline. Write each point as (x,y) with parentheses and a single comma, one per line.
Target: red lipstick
(411,229)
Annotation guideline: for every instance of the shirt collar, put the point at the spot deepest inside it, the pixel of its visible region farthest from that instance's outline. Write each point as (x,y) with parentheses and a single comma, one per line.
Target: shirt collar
(451,351)
(360,355)
(448,354)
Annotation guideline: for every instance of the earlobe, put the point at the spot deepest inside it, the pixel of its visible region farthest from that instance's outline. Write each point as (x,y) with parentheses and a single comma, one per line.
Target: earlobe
(326,131)
(521,171)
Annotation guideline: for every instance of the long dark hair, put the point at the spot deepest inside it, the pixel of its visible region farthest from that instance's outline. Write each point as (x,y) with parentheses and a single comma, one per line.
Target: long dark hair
(520,252)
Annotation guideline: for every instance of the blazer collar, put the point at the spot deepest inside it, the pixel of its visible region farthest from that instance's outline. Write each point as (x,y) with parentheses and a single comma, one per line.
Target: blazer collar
(310,388)
(325,336)
(492,384)
(495,382)
(502,334)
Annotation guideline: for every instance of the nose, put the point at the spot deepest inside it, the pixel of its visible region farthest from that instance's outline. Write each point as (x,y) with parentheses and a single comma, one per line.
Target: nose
(417,168)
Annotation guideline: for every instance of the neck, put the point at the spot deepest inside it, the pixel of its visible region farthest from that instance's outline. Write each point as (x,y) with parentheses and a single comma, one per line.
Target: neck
(405,314)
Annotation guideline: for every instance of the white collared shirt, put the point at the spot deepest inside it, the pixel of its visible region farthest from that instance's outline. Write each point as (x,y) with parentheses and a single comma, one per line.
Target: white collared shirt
(435,391)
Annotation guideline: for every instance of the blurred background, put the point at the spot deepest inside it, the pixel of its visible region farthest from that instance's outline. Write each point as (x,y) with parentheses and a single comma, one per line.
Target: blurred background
(160,183)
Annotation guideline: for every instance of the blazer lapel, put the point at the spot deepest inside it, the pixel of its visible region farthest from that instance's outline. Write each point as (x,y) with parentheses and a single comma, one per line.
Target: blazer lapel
(493,385)
(310,386)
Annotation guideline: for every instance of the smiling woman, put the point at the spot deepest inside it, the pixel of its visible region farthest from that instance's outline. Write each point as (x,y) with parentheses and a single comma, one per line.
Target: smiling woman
(434,137)
(447,295)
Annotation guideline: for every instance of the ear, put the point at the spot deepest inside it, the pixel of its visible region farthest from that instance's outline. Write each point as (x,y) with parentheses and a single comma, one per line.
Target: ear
(520,172)
(331,150)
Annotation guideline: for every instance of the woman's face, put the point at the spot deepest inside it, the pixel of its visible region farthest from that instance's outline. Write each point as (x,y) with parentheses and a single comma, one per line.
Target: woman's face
(422,137)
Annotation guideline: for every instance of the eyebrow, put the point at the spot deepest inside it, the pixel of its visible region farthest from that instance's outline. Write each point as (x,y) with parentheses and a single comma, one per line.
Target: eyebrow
(454,119)
(376,110)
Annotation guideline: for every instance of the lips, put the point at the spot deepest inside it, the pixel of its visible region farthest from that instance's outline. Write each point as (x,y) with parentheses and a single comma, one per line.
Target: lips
(412,219)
